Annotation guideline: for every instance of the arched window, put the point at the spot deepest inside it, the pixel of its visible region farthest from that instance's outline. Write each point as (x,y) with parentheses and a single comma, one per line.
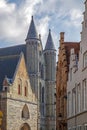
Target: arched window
(19,86)
(26,89)
(25,112)
(25,126)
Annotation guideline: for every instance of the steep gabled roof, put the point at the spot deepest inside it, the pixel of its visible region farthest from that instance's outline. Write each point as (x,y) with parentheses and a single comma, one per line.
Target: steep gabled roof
(49,43)
(32,33)
(7,67)
(14,50)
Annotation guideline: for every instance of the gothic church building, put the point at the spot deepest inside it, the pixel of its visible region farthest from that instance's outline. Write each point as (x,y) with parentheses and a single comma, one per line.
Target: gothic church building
(27,84)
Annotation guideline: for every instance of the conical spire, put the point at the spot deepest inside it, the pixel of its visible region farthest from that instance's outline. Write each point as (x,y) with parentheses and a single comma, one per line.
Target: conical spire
(32,33)
(49,44)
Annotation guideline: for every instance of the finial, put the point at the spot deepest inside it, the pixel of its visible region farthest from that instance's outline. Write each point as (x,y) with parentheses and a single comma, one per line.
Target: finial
(49,30)
(32,17)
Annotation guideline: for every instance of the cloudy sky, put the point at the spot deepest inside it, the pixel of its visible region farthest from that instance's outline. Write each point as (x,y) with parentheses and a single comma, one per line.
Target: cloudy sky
(58,15)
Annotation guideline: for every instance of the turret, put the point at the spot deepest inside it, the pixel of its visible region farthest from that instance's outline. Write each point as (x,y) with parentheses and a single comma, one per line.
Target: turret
(50,58)
(33,55)
(32,33)
(50,78)
(35,66)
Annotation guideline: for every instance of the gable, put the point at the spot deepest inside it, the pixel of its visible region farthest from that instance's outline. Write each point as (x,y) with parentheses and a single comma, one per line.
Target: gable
(21,70)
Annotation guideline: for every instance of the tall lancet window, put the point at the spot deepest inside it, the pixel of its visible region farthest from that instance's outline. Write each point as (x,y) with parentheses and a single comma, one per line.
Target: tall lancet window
(19,86)
(26,89)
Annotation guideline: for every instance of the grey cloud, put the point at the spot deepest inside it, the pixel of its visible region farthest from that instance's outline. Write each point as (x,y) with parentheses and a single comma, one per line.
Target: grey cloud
(14,21)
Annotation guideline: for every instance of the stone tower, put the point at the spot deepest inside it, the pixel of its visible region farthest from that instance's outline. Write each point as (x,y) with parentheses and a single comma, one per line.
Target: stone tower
(35,66)
(50,72)
(33,56)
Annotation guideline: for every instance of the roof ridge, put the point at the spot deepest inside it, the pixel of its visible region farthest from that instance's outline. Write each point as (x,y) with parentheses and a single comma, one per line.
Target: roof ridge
(9,56)
(11,46)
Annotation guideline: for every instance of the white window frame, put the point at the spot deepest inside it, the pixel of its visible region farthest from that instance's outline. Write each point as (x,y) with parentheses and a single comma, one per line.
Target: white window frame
(85,126)
(73,101)
(85,59)
(69,104)
(74,128)
(78,98)
(84,94)
(70,74)
(69,128)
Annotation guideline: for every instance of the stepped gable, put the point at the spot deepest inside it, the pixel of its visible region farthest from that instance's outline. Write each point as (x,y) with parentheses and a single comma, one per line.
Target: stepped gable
(69,46)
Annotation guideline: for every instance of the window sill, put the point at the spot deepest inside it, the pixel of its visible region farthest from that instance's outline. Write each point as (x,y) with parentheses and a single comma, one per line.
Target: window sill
(25,118)
(77,114)
(84,68)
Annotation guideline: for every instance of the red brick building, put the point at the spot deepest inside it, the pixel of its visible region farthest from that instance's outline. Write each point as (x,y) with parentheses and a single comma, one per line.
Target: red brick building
(61,80)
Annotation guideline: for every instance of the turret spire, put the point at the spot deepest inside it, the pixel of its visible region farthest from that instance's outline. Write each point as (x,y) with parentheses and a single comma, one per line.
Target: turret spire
(49,44)
(32,33)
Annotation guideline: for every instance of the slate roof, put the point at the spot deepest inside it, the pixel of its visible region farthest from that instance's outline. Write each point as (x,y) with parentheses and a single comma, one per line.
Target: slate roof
(49,44)
(32,33)
(14,50)
(7,67)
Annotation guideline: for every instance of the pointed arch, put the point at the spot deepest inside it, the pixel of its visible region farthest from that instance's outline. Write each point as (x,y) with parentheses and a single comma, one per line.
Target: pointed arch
(25,126)
(25,112)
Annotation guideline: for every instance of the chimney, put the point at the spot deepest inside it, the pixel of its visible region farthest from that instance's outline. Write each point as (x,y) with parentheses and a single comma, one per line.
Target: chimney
(61,37)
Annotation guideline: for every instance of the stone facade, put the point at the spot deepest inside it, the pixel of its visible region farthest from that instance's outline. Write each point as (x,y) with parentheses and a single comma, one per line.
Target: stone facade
(77,83)
(61,81)
(61,85)
(28,86)
(12,103)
